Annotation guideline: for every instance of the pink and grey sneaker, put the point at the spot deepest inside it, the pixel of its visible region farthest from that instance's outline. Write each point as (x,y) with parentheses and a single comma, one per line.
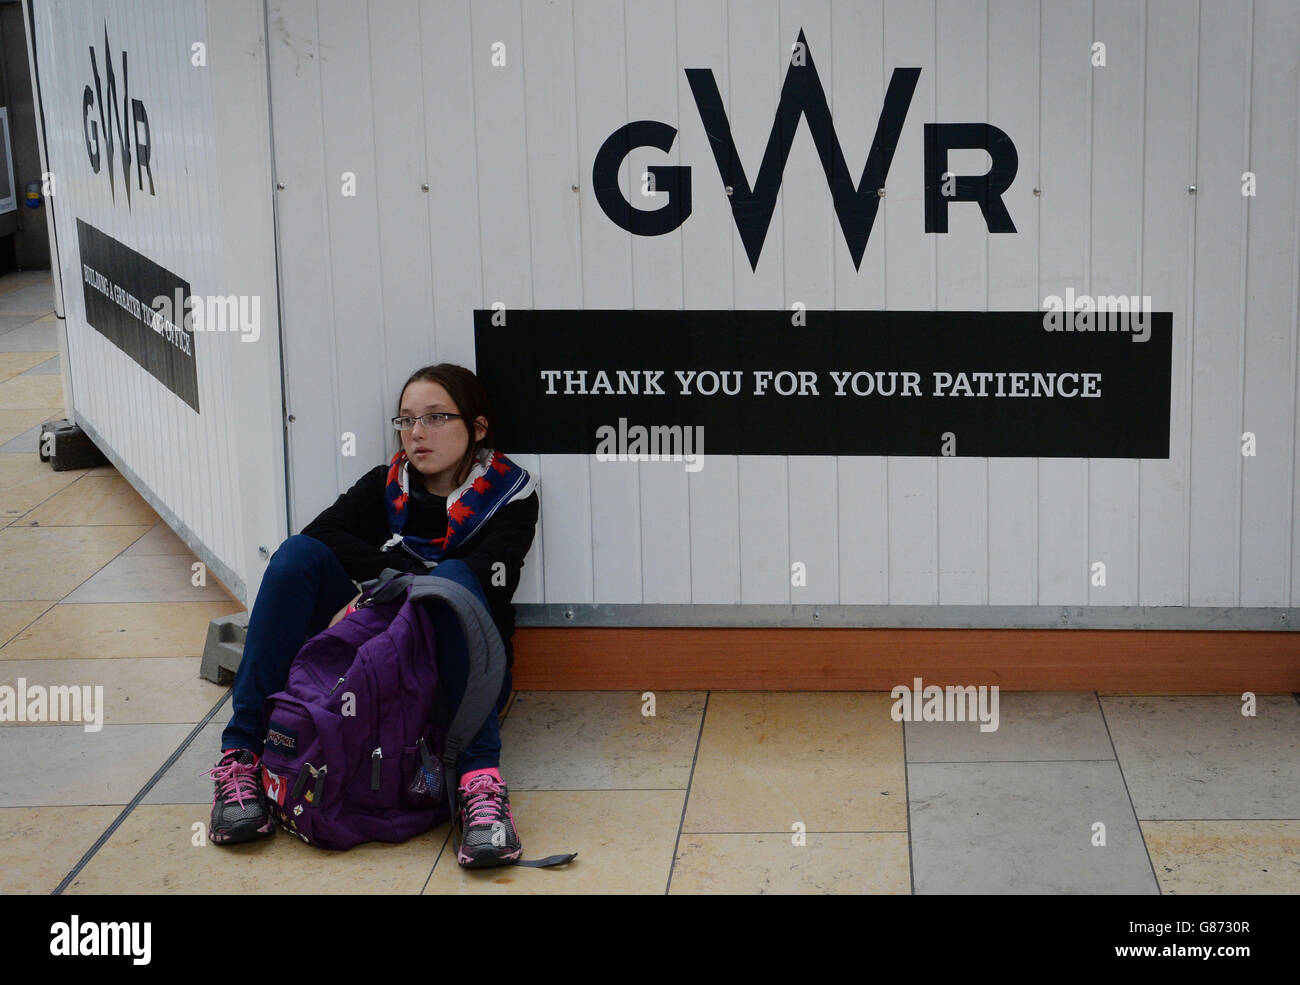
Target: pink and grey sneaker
(238,808)
(484,822)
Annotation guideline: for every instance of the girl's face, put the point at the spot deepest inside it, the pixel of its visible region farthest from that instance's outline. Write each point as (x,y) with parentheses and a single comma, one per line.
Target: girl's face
(435,452)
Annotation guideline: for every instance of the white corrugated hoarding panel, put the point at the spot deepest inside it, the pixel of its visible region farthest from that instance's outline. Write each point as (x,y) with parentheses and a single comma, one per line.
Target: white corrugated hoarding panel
(199,207)
(1113,150)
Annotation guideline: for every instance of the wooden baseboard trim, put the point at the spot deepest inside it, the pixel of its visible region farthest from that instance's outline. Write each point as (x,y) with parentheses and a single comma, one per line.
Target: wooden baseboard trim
(770,659)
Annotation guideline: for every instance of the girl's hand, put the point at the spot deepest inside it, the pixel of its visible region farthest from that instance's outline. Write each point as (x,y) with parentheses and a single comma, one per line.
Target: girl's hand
(343,611)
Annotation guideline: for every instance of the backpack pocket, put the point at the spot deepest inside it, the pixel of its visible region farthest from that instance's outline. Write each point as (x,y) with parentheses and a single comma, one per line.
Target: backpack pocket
(296,765)
(421,776)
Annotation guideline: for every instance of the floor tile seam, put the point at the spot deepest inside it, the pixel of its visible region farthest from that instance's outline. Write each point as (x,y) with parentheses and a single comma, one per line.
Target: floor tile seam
(140,795)
(40,615)
(1129,794)
(442,850)
(907,807)
(134,656)
(810,831)
(996,762)
(64,526)
(1159,820)
(686,799)
(114,725)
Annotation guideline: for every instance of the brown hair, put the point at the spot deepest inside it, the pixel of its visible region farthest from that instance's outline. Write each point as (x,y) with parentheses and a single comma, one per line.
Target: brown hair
(471,400)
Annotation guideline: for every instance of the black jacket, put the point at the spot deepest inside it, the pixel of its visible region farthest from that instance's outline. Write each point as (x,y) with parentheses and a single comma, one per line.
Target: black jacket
(356,526)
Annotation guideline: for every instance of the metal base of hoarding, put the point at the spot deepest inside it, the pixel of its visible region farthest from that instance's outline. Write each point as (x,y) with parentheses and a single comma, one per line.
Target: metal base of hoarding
(224,648)
(1244,618)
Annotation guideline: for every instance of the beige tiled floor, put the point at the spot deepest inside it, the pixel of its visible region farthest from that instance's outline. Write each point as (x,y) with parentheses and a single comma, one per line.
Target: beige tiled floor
(720,792)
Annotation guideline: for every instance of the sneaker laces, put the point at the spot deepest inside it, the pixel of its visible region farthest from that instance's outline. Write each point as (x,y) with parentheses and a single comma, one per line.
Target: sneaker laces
(236,779)
(484,800)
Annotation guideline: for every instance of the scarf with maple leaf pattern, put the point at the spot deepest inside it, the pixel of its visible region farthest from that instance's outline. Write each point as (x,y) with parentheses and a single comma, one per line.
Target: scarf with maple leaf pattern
(493,481)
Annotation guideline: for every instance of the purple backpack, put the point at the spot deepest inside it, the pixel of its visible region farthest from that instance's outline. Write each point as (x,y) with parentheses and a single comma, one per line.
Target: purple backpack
(356,749)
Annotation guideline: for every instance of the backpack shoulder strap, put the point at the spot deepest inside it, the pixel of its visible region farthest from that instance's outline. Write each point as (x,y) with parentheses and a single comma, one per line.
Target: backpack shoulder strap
(389,585)
(487,659)
(487,667)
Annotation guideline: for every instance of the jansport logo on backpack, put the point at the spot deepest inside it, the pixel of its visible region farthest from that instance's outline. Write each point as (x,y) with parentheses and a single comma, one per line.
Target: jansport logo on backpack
(280,738)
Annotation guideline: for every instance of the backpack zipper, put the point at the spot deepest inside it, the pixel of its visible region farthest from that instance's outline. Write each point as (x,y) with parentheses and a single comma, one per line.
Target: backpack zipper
(335,687)
(301,783)
(376,762)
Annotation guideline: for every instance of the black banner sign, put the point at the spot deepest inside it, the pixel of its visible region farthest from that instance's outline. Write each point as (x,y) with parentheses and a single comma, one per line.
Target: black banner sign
(920,383)
(119,286)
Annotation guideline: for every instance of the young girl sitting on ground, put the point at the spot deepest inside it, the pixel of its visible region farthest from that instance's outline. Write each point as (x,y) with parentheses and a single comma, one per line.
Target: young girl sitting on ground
(446,498)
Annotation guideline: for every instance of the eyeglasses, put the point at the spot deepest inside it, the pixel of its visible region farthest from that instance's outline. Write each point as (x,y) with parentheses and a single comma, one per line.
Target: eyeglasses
(430,421)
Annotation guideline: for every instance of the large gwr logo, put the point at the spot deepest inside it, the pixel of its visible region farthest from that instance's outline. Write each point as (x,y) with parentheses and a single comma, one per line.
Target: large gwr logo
(131,123)
(855,206)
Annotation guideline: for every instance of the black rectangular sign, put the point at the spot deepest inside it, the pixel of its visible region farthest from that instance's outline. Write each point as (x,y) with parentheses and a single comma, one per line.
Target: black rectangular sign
(119,286)
(919,383)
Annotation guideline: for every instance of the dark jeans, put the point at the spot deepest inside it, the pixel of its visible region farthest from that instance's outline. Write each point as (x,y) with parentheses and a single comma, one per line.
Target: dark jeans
(304,586)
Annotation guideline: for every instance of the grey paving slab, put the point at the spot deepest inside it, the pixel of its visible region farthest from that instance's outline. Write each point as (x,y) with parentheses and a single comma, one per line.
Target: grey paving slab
(147,577)
(26,443)
(184,782)
(36,299)
(10,322)
(48,368)
(35,336)
(1024,828)
(1198,758)
(593,740)
(58,765)
(159,540)
(1030,726)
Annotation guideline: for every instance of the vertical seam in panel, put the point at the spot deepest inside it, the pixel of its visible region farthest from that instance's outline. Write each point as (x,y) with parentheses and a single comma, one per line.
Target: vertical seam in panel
(210,260)
(837,539)
(176,431)
(988,85)
(786,587)
(1141,254)
(279,278)
(329,257)
(151,235)
(884,307)
(582,279)
(1188,388)
(528,187)
(1086,512)
(1243,290)
(731,251)
(1295,372)
(740,550)
(528,207)
(681,247)
(1038,287)
(936,596)
(478,185)
(379,232)
(232,519)
(428,206)
(632,285)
